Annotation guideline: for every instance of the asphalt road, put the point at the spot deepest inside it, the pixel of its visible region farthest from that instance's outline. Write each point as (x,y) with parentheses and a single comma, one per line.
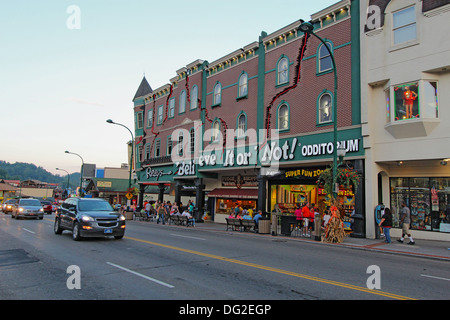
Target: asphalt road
(155,262)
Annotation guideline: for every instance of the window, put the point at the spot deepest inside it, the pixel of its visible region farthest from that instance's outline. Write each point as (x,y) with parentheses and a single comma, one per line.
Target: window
(192,140)
(169,146)
(157,148)
(404,25)
(215,131)
(325,108)
(182,105)
(180,144)
(217,94)
(150,118)
(139,120)
(282,71)
(147,151)
(160,114)
(325,61)
(243,81)
(283,117)
(241,125)
(172,108)
(428,200)
(194,97)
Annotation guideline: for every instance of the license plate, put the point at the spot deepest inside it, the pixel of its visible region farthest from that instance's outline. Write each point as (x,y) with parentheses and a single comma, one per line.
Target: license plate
(108,231)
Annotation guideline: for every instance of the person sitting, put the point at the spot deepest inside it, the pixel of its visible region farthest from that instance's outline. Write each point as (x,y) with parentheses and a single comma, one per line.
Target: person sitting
(247,215)
(189,217)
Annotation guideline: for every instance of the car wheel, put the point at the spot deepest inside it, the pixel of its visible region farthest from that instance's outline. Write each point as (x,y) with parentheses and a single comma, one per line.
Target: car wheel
(57,227)
(76,232)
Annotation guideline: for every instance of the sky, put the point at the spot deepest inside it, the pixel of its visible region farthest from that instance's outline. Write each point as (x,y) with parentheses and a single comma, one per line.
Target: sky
(68,66)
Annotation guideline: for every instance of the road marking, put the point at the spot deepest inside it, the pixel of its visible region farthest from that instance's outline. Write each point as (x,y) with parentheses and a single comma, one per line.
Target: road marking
(290,273)
(427,276)
(29,230)
(178,235)
(140,275)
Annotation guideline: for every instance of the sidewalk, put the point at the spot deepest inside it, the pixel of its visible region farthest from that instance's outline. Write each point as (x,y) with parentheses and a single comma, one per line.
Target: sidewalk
(423,248)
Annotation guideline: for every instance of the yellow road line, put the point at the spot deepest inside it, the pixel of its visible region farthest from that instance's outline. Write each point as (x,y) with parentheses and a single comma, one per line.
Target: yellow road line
(290,273)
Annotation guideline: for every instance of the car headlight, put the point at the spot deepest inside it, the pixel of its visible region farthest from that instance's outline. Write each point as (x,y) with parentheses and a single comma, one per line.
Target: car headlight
(122,218)
(41,210)
(87,218)
(20,209)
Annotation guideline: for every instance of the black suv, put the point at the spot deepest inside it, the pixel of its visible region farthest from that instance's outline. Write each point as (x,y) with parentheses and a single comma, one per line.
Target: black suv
(89,217)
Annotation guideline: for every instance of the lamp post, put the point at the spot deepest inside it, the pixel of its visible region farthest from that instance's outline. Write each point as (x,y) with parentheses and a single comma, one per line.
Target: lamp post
(82,168)
(132,144)
(68,176)
(307,27)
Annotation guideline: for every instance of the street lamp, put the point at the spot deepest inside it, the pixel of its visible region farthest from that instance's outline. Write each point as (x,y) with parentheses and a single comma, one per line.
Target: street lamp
(82,168)
(307,27)
(132,144)
(68,177)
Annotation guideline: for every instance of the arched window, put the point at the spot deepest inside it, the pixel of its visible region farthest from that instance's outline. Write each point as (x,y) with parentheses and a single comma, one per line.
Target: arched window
(217,94)
(243,82)
(215,131)
(194,97)
(180,143)
(182,106)
(325,108)
(283,117)
(241,125)
(325,62)
(282,71)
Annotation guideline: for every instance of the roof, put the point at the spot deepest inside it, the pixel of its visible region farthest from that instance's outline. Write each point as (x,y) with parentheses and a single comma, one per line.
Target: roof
(7,187)
(144,89)
(234,193)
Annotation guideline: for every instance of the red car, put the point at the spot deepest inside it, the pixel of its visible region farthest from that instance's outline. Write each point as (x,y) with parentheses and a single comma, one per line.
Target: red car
(47,206)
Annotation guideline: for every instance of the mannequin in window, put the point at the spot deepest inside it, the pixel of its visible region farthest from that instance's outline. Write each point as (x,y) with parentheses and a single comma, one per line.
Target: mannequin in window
(408,101)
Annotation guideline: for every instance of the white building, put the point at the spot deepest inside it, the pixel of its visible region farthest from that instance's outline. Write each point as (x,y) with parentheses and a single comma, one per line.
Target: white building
(405,45)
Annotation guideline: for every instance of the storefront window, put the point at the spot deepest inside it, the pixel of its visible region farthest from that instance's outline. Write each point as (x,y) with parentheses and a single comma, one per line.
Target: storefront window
(428,200)
(406,101)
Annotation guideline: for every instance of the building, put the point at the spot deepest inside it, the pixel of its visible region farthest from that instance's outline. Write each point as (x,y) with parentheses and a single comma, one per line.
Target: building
(256,127)
(405,90)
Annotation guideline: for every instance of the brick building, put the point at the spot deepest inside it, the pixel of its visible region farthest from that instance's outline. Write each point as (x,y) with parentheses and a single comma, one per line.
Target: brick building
(255,127)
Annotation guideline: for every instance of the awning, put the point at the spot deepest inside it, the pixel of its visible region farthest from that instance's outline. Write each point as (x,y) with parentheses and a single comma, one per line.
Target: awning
(234,193)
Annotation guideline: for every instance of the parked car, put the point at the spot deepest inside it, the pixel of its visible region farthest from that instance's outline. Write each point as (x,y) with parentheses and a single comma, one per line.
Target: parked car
(89,217)
(8,205)
(28,208)
(48,207)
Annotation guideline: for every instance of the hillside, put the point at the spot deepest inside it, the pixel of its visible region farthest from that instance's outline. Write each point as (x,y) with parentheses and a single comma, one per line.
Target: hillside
(26,171)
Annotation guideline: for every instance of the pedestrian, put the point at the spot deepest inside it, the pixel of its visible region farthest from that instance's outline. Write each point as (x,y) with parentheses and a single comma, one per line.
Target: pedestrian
(306,213)
(256,218)
(160,209)
(405,219)
(386,224)
(299,217)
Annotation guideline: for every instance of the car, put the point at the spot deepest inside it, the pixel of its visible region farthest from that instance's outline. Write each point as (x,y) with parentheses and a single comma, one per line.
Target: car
(8,205)
(47,205)
(28,208)
(89,217)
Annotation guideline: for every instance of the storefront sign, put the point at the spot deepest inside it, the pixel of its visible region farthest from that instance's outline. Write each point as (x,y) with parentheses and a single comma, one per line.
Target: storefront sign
(153,173)
(104,184)
(185,168)
(239,181)
(328,148)
(307,173)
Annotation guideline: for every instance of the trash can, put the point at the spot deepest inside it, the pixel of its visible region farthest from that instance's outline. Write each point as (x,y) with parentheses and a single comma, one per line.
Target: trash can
(263,226)
(274,224)
(129,215)
(317,227)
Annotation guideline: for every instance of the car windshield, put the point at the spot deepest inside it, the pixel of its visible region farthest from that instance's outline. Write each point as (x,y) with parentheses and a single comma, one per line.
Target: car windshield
(94,206)
(30,202)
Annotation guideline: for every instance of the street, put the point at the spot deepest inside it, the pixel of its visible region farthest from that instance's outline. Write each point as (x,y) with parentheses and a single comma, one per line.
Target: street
(163,262)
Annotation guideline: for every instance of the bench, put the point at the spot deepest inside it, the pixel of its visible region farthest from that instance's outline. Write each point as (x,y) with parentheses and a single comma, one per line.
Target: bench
(180,220)
(241,225)
(248,224)
(140,216)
